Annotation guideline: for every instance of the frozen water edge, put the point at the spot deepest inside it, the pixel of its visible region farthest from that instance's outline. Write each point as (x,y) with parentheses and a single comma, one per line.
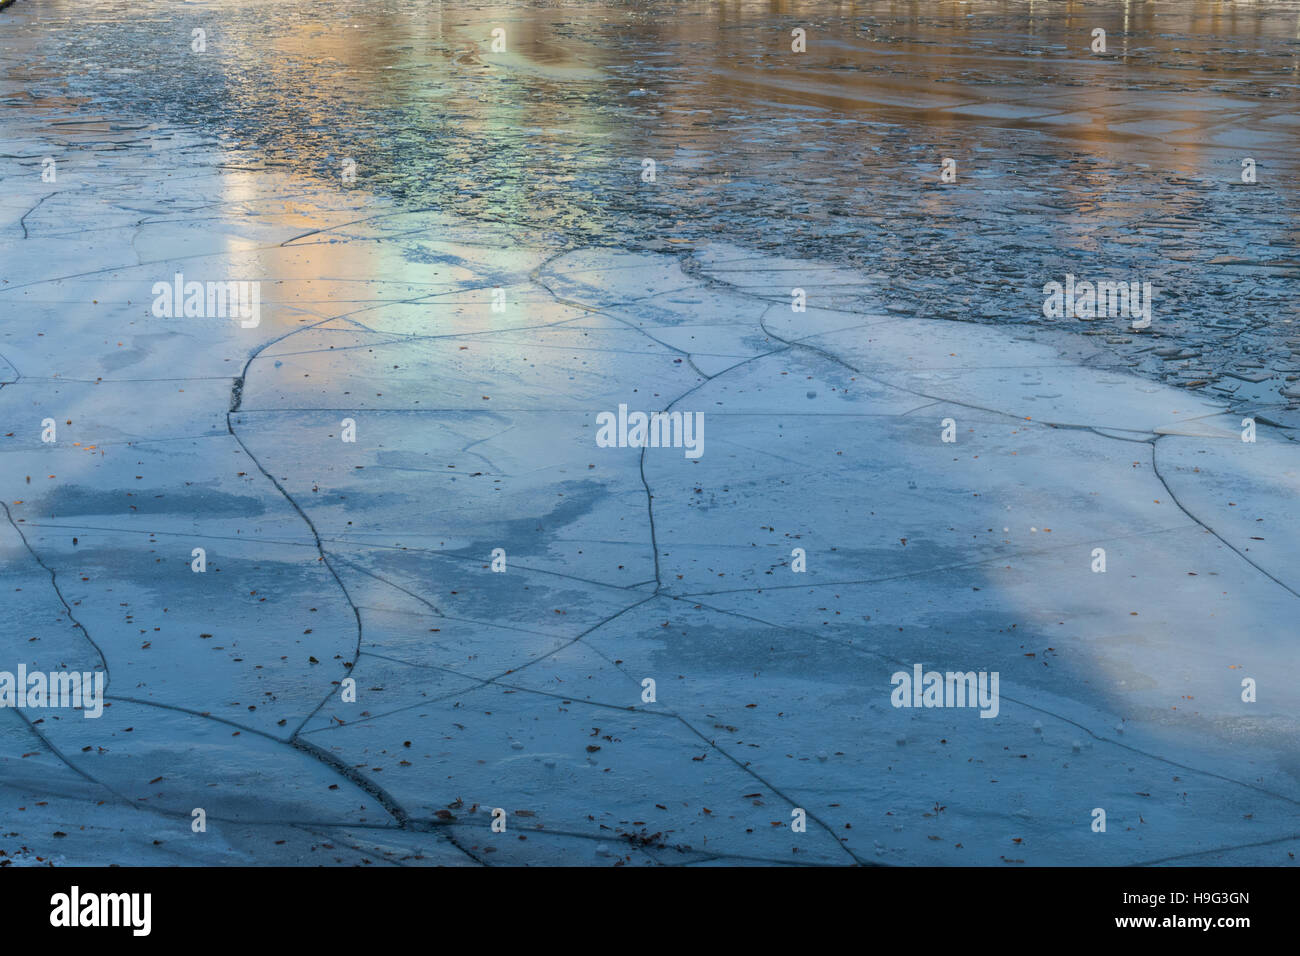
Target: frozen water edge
(475,430)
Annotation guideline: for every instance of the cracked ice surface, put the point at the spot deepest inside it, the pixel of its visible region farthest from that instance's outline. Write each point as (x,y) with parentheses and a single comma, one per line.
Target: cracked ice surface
(523,691)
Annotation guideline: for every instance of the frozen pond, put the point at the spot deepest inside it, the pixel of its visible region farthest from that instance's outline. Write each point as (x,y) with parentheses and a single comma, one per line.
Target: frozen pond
(397,471)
